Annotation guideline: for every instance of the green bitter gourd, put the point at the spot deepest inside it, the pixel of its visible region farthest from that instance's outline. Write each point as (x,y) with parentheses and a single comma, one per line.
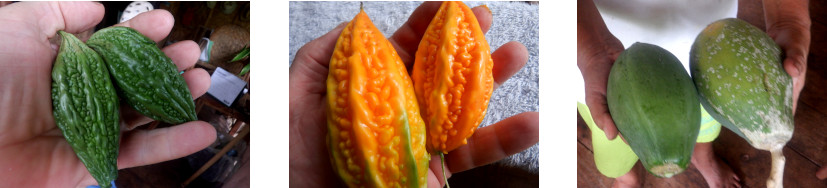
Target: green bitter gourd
(85,108)
(145,77)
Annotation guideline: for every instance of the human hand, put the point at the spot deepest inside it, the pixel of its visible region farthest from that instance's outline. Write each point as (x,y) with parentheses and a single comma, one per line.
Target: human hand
(597,50)
(309,159)
(32,148)
(788,23)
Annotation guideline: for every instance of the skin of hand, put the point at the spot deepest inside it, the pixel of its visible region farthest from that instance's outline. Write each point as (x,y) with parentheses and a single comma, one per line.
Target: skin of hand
(32,147)
(788,23)
(309,159)
(597,50)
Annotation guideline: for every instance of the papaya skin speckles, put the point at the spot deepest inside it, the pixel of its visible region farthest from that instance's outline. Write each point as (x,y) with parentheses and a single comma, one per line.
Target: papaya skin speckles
(759,108)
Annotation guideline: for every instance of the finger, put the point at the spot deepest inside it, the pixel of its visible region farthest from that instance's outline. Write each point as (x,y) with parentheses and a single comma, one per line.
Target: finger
(496,142)
(319,50)
(72,17)
(435,178)
(795,63)
(484,17)
(599,110)
(406,39)
(822,173)
(145,147)
(794,38)
(184,54)
(434,181)
(737,182)
(797,69)
(155,24)
(198,81)
(508,59)
(80,16)
(312,60)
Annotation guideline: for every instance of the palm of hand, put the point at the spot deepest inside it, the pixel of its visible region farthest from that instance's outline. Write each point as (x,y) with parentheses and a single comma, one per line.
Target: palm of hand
(32,147)
(309,163)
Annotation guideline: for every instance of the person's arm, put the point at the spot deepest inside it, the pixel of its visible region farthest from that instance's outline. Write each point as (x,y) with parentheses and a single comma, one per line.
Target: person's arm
(788,23)
(597,50)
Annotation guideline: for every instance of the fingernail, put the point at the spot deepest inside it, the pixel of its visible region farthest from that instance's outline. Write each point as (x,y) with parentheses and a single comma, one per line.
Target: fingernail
(485,7)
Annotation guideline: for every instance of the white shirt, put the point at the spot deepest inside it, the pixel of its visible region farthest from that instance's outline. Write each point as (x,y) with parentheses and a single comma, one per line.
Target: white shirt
(672,25)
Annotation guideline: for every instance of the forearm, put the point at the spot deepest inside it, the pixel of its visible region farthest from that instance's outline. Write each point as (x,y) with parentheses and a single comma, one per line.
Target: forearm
(592,33)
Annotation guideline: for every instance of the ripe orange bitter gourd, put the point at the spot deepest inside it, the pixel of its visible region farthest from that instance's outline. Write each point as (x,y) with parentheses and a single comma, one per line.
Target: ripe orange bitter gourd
(376,136)
(452,76)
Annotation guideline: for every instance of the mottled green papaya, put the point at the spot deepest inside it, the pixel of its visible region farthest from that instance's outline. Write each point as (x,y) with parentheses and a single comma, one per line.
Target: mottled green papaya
(145,77)
(742,84)
(654,104)
(85,107)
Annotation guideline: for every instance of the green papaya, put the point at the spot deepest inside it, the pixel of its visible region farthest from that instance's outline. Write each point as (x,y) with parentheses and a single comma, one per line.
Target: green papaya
(85,108)
(742,84)
(145,77)
(654,105)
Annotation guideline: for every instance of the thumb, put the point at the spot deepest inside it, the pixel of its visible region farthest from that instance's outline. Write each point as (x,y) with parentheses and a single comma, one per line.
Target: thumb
(600,113)
(795,64)
(80,16)
(72,17)
(321,49)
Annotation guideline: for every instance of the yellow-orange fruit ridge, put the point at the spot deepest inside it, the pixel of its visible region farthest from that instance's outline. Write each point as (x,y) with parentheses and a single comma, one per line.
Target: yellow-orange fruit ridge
(376,136)
(452,76)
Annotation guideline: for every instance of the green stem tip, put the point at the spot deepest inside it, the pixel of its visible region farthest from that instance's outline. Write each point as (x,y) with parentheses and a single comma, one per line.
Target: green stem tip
(442,159)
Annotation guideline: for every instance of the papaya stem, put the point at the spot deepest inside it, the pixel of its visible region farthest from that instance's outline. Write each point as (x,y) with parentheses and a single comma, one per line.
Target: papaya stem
(442,159)
(777,171)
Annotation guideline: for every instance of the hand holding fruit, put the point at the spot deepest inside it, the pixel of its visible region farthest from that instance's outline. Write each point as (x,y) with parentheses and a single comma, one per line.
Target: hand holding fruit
(310,164)
(597,50)
(26,56)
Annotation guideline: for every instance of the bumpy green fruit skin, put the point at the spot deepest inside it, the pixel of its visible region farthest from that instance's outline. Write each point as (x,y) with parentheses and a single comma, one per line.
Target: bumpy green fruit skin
(737,69)
(654,104)
(85,107)
(145,77)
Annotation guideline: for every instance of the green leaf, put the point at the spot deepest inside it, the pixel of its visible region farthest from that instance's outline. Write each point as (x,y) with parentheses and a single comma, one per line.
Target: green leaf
(244,70)
(241,55)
